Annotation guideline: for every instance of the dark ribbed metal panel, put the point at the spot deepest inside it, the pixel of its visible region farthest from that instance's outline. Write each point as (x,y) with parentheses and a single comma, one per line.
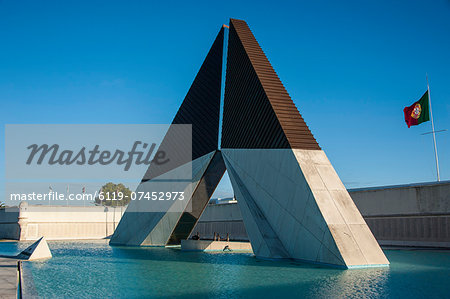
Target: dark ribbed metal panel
(258,111)
(201,109)
(201,106)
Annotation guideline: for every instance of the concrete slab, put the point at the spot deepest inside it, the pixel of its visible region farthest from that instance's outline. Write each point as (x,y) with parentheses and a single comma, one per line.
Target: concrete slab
(8,278)
(209,245)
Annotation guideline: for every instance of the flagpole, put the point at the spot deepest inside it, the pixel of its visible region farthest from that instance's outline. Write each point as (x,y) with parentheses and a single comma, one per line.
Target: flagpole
(434,133)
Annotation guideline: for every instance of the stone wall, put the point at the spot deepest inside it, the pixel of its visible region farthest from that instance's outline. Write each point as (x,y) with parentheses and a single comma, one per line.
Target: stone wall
(9,226)
(222,219)
(408,215)
(30,222)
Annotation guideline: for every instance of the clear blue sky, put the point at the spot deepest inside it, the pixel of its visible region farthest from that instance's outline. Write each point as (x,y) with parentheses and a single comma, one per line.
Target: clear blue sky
(350,67)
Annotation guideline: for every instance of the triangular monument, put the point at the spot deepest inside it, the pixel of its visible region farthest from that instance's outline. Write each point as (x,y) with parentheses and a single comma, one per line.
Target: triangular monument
(292,201)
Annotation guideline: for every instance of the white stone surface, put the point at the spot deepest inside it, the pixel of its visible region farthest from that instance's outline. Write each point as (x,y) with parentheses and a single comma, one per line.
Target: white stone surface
(298,196)
(354,240)
(58,222)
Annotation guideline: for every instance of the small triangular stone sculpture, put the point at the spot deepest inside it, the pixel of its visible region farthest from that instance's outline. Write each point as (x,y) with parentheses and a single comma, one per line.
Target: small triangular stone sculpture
(38,250)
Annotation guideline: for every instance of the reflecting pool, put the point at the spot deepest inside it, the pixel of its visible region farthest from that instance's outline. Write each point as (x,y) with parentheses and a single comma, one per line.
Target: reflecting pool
(95,269)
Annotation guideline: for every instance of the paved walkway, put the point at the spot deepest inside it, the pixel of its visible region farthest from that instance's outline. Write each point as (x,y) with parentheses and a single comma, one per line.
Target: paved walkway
(8,278)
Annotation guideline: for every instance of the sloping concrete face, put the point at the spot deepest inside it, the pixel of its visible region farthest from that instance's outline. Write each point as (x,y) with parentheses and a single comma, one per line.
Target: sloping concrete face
(264,239)
(295,206)
(200,198)
(152,223)
(352,236)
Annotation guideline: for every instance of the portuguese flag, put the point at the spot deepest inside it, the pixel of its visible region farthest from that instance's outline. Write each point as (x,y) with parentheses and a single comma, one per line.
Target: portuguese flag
(418,112)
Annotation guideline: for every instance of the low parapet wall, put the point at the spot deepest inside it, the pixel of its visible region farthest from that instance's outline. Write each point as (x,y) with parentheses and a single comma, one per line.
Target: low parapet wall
(30,222)
(408,215)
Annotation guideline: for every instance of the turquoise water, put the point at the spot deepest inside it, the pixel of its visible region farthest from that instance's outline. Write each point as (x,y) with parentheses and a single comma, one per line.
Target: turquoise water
(94,269)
